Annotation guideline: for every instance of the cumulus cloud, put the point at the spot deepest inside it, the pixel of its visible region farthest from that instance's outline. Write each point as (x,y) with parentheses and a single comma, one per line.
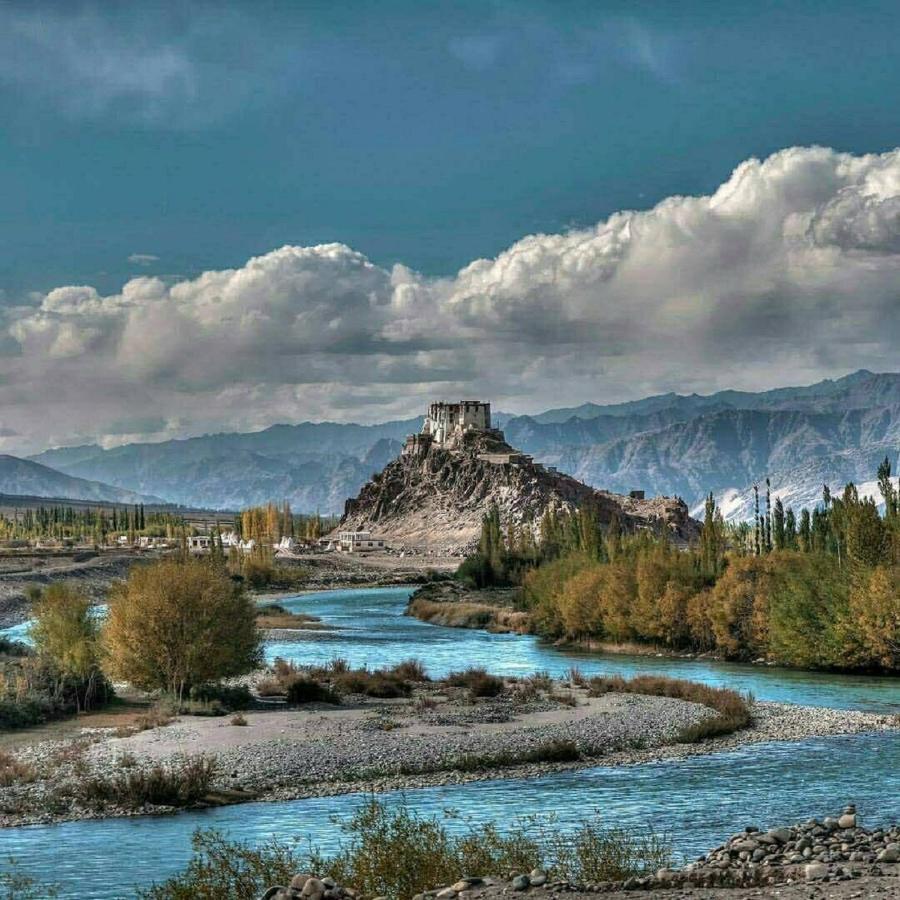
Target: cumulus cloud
(788,272)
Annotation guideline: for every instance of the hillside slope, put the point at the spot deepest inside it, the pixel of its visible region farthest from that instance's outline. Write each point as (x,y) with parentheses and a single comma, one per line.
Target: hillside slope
(25,477)
(435,497)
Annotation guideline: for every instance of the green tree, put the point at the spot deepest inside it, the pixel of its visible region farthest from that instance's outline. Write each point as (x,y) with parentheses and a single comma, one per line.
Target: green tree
(66,632)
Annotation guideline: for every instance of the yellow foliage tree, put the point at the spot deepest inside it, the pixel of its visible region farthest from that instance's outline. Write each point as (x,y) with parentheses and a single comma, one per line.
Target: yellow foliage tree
(180,623)
(875,614)
(66,633)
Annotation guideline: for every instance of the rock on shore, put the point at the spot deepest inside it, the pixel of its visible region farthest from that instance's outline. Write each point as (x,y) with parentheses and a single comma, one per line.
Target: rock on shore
(812,857)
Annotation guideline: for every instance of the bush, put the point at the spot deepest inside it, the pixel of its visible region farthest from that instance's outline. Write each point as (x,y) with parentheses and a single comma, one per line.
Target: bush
(238,719)
(380,684)
(411,670)
(230,697)
(478,681)
(306,690)
(9,647)
(183,784)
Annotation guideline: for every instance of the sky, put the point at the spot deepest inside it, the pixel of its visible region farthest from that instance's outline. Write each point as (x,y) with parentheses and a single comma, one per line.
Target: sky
(223,216)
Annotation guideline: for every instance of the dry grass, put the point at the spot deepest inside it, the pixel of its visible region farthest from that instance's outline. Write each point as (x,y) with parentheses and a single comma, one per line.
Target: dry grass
(13,771)
(183,784)
(275,616)
(567,698)
(238,719)
(411,670)
(733,710)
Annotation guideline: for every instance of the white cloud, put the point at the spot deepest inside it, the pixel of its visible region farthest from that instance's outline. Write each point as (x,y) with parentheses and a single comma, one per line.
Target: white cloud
(787,273)
(143,259)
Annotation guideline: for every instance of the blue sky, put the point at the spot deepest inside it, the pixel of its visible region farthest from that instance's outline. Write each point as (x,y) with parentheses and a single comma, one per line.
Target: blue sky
(423,132)
(219,217)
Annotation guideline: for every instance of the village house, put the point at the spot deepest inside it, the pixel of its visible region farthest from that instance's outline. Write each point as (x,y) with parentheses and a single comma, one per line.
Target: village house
(359,542)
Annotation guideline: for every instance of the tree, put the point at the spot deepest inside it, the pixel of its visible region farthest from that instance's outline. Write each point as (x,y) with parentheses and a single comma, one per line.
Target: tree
(66,633)
(875,614)
(180,623)
(778,532)
(806,536)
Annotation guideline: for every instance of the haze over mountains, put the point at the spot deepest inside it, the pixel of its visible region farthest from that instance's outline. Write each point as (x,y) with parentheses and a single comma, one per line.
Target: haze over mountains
(24,477)
(801,437)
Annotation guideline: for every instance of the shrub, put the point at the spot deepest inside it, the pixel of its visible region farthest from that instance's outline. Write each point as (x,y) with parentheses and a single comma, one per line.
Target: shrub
(396,853)
(230,697)
(184,783)
(478,681)
(380,684)
(238,719)
(269,687)
(567,698)
(306,690)
(411,670)
(549,751)
(159,715)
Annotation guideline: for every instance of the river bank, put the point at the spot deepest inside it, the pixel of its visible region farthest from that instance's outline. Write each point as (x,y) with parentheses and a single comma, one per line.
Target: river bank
(454,604)
(438,735)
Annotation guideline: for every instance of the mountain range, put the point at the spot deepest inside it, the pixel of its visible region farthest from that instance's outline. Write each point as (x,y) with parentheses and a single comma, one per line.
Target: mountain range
(679,445)
(25,477)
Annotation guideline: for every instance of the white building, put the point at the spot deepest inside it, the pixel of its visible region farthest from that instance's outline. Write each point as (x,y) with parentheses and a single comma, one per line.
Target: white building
(199,543)
(445,419)
(359,542)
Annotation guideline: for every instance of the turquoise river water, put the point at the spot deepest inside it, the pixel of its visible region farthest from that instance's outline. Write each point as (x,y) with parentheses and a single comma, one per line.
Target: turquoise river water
(699,800)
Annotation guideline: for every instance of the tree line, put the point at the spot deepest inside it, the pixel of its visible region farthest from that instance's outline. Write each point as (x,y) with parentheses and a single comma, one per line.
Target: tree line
(818,590)
(86,524)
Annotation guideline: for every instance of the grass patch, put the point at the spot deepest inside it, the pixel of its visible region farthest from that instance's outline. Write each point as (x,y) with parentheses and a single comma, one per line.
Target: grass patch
(733,710)
(396,853)
(550,751)
(183,784)
(274,615)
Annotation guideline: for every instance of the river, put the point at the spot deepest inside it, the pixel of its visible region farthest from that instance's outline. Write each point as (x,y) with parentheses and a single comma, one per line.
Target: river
(700,800)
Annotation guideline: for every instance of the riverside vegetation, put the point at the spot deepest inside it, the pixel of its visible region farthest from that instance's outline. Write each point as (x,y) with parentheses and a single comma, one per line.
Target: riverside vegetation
(818,591)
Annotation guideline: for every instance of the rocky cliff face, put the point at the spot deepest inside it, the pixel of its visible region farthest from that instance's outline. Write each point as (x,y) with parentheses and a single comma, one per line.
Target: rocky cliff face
(434,497)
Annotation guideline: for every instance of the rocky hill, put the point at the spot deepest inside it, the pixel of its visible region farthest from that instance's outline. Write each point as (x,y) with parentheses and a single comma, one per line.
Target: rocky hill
(434,497)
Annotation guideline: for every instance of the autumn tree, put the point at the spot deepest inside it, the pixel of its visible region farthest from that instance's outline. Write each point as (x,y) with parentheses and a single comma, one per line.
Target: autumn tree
(875,614)
(66,633)
(180,623)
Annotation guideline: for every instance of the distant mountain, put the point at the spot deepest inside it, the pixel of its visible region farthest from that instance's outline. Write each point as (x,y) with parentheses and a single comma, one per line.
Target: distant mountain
(316,466)
(23,477)
(685,445)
